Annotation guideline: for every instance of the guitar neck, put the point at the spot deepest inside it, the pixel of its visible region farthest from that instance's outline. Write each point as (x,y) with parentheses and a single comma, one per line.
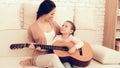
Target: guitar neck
(42,46)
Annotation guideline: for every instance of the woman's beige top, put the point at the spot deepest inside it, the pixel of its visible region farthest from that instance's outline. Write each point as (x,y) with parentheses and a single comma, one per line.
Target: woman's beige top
(36,35)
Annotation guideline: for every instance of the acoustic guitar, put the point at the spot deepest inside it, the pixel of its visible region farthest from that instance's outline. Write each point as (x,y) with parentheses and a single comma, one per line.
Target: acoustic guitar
(81,57)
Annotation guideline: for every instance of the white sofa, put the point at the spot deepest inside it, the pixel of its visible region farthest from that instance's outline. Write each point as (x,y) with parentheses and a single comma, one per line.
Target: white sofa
(16,32)
(102,57)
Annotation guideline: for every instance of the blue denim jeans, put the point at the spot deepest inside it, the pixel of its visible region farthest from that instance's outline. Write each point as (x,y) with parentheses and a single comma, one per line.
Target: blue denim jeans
(67,65)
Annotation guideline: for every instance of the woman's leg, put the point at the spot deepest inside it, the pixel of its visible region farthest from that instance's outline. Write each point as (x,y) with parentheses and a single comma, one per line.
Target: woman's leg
(31,67)
(49,60)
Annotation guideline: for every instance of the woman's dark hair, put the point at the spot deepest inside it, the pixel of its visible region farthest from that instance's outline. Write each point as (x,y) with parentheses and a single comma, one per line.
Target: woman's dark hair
(45,7)
(73,26)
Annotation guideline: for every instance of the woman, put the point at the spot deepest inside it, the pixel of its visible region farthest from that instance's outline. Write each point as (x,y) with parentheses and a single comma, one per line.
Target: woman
(43,31)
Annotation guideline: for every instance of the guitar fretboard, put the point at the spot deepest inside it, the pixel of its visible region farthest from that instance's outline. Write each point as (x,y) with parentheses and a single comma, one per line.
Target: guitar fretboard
(17,46)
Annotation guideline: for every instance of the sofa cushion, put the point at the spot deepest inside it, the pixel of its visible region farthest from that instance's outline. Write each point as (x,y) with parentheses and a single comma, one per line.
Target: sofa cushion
(105,55)
(63,12)
(86,35)
(84,18)
(95,64)
(8,37)
(10,16)
(29,12)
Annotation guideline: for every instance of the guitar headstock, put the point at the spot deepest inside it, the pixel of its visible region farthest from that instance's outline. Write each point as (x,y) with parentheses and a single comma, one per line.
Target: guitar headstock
(19,46)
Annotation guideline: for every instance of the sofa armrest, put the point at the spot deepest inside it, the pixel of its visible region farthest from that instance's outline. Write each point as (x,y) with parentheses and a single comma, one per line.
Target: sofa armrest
(105,55)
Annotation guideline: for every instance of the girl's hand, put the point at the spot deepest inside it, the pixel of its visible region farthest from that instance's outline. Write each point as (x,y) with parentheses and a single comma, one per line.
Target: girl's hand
(72,50)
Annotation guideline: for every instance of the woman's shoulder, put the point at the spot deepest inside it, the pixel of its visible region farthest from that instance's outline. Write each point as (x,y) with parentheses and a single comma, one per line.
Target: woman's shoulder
(33,24)
(33,27)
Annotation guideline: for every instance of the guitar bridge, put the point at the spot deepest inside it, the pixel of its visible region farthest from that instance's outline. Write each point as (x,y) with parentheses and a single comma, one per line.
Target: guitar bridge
(80,51)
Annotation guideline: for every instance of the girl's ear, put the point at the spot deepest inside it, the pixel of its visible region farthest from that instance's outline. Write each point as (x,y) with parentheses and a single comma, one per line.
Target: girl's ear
(71,31)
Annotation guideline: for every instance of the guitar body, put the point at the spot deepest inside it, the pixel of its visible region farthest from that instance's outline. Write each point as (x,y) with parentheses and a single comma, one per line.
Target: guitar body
(81,57)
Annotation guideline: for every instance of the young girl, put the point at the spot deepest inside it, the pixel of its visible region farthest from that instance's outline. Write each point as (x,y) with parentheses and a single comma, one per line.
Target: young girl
(67,31)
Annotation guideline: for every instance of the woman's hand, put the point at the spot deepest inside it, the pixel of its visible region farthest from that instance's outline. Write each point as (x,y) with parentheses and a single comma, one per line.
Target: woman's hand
(38,48)
(72,50)
(33,47)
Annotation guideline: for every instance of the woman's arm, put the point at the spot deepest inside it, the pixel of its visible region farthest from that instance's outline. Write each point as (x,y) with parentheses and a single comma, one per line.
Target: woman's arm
(30,36)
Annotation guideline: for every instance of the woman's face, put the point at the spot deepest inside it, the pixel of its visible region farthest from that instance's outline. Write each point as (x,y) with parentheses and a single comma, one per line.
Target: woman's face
(50,15)
(66,28)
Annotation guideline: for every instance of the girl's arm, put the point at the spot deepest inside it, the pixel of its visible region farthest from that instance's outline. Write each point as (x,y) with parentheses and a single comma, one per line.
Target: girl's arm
(78,43)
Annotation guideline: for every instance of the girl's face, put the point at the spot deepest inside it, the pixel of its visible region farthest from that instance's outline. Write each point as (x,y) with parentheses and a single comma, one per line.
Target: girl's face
(66,28)
(50,15)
